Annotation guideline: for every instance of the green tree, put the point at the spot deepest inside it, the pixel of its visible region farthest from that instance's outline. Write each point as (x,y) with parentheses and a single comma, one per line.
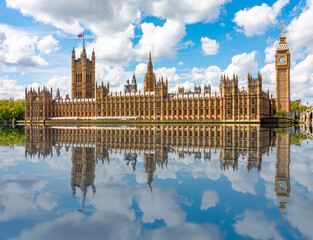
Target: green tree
(296,105)
(11,108)
(281,113)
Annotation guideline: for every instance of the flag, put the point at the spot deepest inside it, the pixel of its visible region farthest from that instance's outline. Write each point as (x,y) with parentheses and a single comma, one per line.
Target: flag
(80,35)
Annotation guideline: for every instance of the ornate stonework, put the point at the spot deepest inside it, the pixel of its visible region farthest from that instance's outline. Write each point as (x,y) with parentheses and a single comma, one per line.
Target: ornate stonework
(282,63)
(155,103)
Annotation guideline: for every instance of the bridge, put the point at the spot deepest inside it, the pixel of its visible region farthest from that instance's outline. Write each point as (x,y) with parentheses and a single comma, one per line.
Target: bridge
(306,116)
(306,119)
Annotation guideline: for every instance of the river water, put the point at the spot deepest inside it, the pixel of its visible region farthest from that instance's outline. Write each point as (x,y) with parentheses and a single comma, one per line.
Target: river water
(156,182)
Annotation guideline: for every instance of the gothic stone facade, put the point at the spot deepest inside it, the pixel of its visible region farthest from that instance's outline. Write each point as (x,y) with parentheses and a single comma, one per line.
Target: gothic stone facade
(95,102)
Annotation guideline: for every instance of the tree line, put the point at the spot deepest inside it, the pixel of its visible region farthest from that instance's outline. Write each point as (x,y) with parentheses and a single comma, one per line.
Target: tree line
(12,109)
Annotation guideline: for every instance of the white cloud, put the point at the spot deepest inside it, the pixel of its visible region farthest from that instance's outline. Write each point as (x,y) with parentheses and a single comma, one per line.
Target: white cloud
(299,211)
(162,41)
(187,11)
(164,206)
(73,17)
(47,45)
(61,82)
(254,224)
(185,231)
(270,52)
(242,180)
(256,20)
(17,50)
(269,77)
(180,63)
(78,226)
(300,36)
(114,48)
(209,75)
(114,75)
(47,201)
(242,64)
(114,27)
(209,46)
(9,88)
(18,197)
(209,199)
(141,69)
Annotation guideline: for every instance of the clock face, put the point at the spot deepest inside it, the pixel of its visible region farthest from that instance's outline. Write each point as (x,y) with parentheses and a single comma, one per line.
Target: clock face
(282,60)
(282,185)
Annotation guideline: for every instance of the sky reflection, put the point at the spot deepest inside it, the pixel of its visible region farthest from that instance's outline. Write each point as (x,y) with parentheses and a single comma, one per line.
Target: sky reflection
(187,182)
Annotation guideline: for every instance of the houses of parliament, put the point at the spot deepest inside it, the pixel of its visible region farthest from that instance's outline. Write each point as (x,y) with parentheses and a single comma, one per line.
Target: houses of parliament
(90,101)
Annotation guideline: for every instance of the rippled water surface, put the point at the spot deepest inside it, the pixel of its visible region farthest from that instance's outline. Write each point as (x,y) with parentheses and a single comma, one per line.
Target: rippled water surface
(156,182)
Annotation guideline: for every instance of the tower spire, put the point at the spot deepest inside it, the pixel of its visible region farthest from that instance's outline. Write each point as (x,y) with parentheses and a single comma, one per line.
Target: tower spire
(282,36)
(150,66)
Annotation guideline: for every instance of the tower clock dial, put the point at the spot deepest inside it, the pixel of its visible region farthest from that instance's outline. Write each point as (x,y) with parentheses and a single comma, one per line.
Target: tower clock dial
(282,185)
(282,60)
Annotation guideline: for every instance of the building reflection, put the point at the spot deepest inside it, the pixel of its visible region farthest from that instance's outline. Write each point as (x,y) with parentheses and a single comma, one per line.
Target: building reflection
(90,145)
(282,170)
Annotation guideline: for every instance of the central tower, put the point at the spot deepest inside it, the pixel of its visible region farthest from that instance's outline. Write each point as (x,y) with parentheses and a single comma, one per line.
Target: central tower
(150,80)
(282,63)
(83,75)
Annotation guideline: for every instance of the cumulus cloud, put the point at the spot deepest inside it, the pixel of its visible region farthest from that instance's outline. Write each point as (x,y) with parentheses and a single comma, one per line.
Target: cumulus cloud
(78,226)
(72,17)
(47,45)
(115,75)
(242,64)
(300,36)
(114,27)
(161,41)
(141,69)
(186,11)
(209,199)
(209,75)
(242,180)
(61,82)
(270,52)
(254,224)
(256,20)
(18,50)
(209,46)
(9,88)
(185,231)
(18,197)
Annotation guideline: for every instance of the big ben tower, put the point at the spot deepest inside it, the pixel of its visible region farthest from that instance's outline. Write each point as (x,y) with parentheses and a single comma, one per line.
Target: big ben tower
(282,63)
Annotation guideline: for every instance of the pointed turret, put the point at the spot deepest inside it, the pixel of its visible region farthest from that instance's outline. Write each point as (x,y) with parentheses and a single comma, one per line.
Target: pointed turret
(150,66)
(73,54)
(93,58)
(83,55)
(150,80)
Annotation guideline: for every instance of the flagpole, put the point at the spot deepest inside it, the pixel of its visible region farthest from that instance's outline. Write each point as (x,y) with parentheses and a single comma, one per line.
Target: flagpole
(84,39)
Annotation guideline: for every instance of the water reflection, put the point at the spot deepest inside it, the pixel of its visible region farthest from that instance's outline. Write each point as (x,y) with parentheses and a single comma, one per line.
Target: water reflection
(90,145)
(156,182)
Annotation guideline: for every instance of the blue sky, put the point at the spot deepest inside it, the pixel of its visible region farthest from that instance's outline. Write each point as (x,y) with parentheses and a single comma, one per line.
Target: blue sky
(192,42)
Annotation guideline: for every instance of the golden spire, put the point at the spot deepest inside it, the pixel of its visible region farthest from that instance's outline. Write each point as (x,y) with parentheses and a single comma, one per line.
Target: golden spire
(282,36)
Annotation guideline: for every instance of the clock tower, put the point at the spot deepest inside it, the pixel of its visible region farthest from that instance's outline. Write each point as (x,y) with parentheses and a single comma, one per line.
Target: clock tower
(282,63)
